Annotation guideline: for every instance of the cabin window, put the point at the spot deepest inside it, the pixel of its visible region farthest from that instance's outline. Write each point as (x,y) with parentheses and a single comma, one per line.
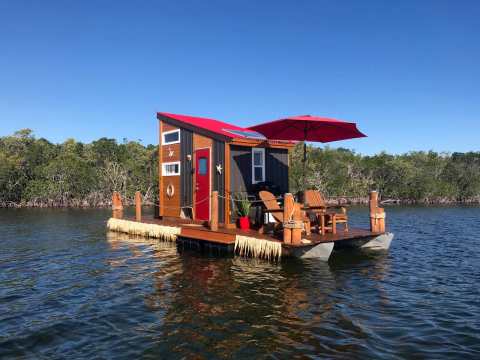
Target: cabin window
(202,166)
(258,165)
(171,168)
(171,137)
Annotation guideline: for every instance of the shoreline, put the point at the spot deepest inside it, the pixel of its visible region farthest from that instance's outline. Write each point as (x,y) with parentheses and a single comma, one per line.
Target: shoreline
(78,204)
(386,202)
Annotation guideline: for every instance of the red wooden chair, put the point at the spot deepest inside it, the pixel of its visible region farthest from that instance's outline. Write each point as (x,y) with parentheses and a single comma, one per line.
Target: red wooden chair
(272,207)
(327,219)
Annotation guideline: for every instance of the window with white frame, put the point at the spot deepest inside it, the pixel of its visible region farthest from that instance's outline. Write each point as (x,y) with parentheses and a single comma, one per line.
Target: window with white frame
(171,168)
(171,137)
(258,165)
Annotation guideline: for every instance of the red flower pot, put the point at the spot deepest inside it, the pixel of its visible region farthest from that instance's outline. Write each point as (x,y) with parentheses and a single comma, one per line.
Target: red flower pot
(244,222)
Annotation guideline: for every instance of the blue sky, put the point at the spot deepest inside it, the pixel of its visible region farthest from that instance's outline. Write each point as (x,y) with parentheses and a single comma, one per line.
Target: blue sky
(408,72)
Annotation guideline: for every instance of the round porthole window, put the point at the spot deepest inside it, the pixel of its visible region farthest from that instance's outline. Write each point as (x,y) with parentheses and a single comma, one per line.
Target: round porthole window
(170,190)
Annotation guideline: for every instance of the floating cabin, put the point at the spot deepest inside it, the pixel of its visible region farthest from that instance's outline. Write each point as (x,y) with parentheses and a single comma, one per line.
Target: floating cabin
(205,165)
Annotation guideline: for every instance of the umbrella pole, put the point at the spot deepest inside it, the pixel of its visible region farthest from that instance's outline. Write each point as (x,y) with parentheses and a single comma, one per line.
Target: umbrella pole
(305,132)
(304,165)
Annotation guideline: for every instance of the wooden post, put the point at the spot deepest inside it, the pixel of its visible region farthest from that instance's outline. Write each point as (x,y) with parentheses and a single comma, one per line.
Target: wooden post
(288,205)
(297,232)
(381,221)
(226,174)
(373,210)
(117,207)
(322,223)
(334,223)
(138,206)
(308,226)
(377,215)
(214,211)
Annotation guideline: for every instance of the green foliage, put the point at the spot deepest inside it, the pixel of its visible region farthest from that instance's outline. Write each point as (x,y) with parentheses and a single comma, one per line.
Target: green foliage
(416,176)
(37,172)
(242,204)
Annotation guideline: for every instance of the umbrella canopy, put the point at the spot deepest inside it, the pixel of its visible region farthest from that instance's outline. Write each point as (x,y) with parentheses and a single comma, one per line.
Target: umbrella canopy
(308,128)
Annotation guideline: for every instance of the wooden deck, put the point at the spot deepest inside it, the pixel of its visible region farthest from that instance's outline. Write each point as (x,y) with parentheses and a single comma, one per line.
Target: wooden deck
(198,231)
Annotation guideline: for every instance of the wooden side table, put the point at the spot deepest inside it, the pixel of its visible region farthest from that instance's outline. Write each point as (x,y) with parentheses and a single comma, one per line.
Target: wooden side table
(324,226)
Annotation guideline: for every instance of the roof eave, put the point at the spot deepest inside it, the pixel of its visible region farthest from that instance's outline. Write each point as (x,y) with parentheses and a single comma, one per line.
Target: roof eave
(263,143)
(196,129)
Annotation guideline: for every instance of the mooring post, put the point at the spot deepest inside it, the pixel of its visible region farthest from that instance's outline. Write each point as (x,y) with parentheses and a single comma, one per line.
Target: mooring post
(117,207)
(214,212)
(381,220)
(373,210)
(288,205)
(138,206)
(377,215)
(297,229)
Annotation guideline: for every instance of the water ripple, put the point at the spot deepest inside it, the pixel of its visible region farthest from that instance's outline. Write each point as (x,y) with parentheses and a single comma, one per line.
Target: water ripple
(68,290)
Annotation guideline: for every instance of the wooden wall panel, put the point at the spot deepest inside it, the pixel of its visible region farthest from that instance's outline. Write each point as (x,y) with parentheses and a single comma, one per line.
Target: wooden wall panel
(200,141)
(160,160)
(170,153)
(172,205)
(168,127)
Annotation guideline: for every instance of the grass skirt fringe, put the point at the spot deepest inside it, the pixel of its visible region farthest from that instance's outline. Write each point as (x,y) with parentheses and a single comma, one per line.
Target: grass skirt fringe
(166,233)
(258,248)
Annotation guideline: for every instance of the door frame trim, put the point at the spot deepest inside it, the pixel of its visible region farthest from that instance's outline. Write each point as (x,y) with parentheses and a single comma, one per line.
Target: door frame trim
(209,181)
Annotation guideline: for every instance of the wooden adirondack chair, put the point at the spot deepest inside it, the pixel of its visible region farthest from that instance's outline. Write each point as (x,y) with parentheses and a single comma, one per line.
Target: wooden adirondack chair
(326,218)
(272,206)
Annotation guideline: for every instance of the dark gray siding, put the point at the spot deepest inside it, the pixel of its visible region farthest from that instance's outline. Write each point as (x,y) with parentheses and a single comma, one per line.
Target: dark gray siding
(240,168)
(276,168)
(219,178)
(276,172)
(240,173)
(186,148)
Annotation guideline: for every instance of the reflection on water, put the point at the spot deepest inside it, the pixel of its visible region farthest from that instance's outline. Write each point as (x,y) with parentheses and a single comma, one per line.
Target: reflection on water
(70,290)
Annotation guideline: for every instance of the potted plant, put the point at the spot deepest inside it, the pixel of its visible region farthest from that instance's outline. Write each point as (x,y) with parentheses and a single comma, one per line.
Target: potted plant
(243,210)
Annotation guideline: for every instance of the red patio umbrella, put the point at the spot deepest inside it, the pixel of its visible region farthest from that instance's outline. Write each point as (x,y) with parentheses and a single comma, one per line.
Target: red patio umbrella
(308,128)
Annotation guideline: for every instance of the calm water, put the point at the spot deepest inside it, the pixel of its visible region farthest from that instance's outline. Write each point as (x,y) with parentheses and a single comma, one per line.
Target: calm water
(67,290)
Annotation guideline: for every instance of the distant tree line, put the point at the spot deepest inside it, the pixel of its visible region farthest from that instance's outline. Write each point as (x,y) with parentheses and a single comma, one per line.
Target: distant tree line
(36,172)
(414,177)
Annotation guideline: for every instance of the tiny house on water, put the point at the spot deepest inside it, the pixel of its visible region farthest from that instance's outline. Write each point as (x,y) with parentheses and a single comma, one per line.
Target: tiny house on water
(200,155)
(208,168)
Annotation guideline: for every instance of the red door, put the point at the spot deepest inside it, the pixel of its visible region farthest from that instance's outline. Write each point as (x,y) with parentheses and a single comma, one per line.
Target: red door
(202,184)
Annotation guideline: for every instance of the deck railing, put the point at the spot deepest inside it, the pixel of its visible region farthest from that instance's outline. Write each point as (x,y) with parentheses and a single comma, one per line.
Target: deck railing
(293,217)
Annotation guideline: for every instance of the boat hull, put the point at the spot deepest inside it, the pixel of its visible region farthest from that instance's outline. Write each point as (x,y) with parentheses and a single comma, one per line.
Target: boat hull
(323,251)
(320,251)
(374,243)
